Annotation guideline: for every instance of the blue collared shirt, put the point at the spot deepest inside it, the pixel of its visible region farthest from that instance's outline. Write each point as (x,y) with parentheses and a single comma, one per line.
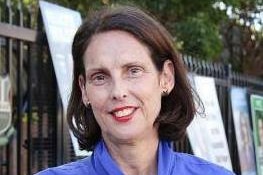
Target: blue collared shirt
(169,163)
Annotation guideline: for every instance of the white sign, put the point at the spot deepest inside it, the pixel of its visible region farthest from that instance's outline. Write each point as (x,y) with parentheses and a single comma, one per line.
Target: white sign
(5,104)
(206,133)
(61,25)
(243,131)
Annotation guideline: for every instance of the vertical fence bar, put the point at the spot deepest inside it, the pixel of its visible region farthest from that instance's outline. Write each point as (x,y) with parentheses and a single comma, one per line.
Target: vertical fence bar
(1,161)
(3,40)
(9,40)
(19,93)
(29,85)
(229,119)
(60,129)
(40,104)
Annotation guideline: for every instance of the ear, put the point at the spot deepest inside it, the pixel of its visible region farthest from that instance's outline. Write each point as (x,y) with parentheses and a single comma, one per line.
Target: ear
(83,90)
(167,77)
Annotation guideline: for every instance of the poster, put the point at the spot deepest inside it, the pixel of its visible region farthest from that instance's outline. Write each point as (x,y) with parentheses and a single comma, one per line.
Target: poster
(61,25)
(256,103)
(206,132)
(243,131)
(5,104)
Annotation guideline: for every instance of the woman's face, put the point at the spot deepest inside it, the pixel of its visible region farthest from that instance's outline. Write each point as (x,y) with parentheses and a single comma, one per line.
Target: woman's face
(123,86)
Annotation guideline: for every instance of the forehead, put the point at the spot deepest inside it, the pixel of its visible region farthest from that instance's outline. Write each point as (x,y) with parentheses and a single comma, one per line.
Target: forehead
(115,45)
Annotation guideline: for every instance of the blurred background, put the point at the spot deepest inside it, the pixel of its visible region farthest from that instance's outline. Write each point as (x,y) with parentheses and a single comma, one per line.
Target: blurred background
(229,31)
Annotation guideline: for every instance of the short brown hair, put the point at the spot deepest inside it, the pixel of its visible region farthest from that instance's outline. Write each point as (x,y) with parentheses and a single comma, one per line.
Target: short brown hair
(177,109)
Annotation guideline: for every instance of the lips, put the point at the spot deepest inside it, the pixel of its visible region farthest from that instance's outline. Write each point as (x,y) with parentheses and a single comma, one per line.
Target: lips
(123,114)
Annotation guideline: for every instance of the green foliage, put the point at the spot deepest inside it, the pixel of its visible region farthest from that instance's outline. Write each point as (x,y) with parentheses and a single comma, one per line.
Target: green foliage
(194,24)
(199,36)
(199,28)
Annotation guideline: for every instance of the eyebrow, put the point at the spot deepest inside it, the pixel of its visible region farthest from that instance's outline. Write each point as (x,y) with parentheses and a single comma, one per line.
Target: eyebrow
(103,68)
(132,64)
(94,70)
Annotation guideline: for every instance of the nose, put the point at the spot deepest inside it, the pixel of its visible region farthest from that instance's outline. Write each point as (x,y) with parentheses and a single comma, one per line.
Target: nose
(119,90)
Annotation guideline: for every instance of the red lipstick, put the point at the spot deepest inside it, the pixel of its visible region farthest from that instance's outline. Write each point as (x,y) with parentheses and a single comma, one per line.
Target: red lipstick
(123,114)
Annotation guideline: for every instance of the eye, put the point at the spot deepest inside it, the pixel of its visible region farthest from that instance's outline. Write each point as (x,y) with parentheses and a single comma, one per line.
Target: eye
(135,71)
(98,79)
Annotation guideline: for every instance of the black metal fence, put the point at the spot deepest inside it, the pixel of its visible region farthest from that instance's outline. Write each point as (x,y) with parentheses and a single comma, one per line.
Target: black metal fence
(225,78)
(42,139)
(24,56)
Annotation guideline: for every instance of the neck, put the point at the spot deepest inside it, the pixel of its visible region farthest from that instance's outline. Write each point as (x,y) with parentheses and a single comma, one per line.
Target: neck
(135,157)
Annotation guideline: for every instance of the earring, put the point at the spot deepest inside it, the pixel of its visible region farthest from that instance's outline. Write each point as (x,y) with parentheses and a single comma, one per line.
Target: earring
(165,92)
(87,105)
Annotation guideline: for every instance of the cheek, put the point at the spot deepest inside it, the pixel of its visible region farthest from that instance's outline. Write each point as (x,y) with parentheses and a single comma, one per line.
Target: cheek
(149,87)
(149,94)
(97,100)
(97,97)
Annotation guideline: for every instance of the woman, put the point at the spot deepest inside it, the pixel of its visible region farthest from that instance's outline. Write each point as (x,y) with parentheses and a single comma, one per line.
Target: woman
(130,98)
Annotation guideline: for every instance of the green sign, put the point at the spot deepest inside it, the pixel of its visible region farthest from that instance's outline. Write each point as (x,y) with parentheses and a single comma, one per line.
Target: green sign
(257,117)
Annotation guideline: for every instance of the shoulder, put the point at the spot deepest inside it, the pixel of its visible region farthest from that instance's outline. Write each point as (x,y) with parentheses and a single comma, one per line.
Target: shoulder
(79,167)
(190,164)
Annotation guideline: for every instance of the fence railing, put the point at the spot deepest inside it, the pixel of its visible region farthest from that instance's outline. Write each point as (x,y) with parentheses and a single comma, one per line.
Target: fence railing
(225,78)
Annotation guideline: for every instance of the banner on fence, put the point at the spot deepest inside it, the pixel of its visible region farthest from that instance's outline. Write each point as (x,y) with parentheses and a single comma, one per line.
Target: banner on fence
(206,133)
(256,102)
(61,25)
(243,131)
(5,104)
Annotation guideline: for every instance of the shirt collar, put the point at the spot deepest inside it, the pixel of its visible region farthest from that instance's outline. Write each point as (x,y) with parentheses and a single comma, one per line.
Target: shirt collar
(105,165)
